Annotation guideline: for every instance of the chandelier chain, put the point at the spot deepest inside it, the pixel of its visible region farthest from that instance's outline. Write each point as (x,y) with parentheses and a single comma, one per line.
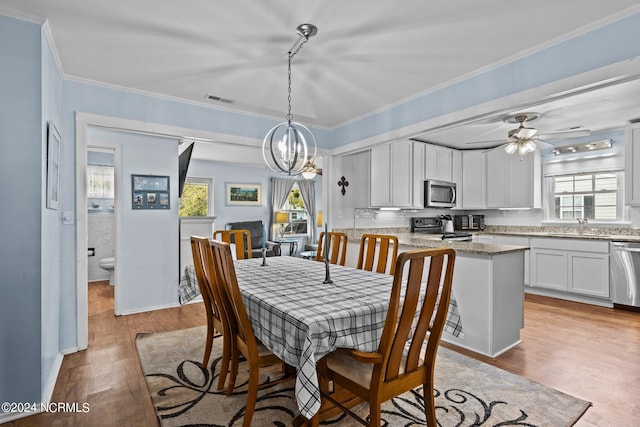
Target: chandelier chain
(291,55)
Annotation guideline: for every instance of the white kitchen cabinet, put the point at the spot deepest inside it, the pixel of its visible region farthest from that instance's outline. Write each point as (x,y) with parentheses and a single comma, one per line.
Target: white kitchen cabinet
(418,175)
(516,241)
(483,238)
(573,266)
(438,163)
(473,179)
(380,173)
(392,175)
(513,181)
(456,174)
(589,273)
(549,269)
(632,165)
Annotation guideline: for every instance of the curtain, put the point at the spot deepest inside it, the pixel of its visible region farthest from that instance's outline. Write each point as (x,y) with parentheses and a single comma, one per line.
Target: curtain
(308,192)
(280,189)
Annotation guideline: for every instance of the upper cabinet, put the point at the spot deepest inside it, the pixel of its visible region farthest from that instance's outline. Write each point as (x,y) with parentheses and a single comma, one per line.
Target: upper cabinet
(632,165)
(438,163)
(474,163)
(513,181)
(392,175)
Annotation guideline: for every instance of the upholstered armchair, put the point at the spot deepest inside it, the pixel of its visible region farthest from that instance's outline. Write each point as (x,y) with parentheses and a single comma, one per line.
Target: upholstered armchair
(256,229)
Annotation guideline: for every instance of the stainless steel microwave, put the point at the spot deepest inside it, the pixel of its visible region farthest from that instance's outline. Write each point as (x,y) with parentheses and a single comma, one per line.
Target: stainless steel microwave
(439,194)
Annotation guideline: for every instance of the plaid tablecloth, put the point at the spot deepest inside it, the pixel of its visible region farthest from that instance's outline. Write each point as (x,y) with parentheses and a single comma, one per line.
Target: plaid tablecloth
(301,319)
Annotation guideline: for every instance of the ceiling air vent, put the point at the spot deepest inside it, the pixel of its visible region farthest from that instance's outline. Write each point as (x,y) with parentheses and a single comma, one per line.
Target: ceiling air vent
(637,120)
(218,99)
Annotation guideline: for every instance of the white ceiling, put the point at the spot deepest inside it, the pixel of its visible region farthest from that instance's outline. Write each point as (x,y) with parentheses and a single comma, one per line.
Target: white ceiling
(367,55)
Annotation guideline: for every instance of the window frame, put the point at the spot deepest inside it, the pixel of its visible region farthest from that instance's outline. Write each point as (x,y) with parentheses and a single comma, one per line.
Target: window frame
(210,190)
(103,195)
(295,211)
(622,211)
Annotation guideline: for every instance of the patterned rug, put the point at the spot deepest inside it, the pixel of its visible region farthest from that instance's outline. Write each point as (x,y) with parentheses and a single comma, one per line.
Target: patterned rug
(468,392)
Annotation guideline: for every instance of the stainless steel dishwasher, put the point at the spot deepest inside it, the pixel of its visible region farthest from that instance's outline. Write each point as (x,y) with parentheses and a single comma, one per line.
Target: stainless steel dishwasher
(624,273)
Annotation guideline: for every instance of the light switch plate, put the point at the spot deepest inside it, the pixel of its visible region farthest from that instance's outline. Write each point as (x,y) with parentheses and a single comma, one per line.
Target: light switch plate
(67,218)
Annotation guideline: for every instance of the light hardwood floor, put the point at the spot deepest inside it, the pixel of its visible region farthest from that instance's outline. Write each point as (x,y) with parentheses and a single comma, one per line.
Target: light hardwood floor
(589,352)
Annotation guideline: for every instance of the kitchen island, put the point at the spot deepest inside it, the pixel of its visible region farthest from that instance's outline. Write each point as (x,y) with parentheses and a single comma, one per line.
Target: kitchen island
(488,283)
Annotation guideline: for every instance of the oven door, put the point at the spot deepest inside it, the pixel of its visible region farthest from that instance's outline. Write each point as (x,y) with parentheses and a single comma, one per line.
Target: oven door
(439,194)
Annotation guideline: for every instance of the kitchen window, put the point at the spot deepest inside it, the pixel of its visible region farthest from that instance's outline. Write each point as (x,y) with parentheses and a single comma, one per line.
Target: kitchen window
(595,196)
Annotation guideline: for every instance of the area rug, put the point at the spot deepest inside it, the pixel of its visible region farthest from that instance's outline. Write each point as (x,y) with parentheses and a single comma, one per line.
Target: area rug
(468,392)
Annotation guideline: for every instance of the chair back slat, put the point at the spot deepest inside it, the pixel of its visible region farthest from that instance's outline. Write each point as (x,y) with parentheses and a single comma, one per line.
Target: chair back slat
(226,274)
(241,238)
(406,318)
(201,277)
(207,280)
(379,250)
(337,247)
(403,337)
(426,314)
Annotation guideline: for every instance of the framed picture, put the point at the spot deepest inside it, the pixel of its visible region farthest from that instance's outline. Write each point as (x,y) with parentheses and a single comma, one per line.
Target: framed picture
(243,194)
(150,192)
(53,166)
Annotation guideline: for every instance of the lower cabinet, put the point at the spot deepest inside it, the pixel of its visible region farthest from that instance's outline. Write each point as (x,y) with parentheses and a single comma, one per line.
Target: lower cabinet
(570,265)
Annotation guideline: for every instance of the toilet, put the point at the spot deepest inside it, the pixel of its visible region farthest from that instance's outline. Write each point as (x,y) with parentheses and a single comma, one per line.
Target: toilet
(108,264)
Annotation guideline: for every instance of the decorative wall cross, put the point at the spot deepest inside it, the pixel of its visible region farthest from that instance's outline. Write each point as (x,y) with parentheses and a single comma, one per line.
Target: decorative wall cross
(343,183)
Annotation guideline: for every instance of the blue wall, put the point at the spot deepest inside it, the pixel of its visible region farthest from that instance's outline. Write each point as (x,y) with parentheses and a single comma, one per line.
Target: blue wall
(21,172)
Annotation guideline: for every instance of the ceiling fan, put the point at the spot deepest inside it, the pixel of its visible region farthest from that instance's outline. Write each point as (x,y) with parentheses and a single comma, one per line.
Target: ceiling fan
(523,139)
(310,170)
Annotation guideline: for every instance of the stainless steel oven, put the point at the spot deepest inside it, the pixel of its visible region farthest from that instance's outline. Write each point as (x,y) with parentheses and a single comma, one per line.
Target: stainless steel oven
(439,194)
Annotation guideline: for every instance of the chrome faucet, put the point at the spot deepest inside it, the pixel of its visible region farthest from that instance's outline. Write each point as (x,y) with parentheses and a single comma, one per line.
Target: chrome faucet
(581,223)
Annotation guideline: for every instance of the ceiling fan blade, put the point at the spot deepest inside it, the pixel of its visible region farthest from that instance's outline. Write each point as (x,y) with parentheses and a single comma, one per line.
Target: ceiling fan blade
(563,134)
(495,141)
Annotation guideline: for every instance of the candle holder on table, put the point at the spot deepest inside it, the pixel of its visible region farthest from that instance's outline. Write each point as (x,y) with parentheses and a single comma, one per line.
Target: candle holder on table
(264,257)
(327,275)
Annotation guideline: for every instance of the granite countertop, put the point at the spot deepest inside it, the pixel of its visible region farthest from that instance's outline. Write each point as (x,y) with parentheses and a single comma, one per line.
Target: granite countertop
(611,235)
(417,240)
(430,241)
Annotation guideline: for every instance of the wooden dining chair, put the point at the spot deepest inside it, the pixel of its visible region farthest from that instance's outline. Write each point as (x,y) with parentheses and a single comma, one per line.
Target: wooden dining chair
(244,341)
(399,364)
(379,248)
(217,319)
(337,247)
(241,238)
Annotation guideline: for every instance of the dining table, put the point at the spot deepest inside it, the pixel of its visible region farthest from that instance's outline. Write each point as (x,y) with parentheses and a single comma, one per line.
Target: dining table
(301,319)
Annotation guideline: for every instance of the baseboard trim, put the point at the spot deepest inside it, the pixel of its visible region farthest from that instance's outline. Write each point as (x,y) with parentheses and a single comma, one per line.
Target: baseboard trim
(569,297)
(47,390)
(146,309)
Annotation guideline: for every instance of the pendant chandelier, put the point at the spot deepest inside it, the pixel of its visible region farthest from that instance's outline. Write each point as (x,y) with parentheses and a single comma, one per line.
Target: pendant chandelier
(290,147)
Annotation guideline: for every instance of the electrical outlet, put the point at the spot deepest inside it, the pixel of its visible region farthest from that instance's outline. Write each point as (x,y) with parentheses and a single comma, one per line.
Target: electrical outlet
(339,214)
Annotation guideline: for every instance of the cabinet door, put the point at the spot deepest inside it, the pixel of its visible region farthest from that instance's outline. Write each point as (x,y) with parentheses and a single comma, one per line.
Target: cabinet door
(401,174)
(524,189)
(589,273)
(549,269)
(473,179)
(380,173)
(437,163)
(497,161)
(418,175)
(456,174)
(632,166)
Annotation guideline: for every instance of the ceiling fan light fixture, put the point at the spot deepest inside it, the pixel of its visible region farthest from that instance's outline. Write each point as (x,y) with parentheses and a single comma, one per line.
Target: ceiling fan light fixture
(289,146)
(309,170)
(511,147)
